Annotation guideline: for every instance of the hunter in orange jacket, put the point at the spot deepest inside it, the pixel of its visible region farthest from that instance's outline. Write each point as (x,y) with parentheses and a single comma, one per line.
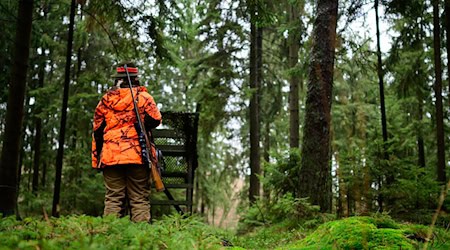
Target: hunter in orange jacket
(115,140)
(115,145)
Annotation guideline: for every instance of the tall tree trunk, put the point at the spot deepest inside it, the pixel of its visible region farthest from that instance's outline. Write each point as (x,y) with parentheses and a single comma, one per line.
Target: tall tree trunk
(343,209)
(294,80)
(315,173)
(367,202)
(447,29)
(356,193)
(76,75)
(389,177)
(44,174)
(14,113)
(381,84)
(255,83)
(438,93)
(266,156)
(62,129)
(202,206)
(38,128)
(361,130)
(420,142)
(19,177)
(46,162)
(27,139)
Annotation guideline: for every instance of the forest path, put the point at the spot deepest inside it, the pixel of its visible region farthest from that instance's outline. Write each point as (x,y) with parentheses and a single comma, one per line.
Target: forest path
(228,219)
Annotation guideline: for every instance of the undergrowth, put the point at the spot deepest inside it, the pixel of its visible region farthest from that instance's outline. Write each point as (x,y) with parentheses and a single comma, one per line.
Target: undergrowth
(85,232)
(177,232)
(378,232)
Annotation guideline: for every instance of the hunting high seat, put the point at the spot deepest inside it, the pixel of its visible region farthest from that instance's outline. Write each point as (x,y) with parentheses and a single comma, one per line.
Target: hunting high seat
(177,139)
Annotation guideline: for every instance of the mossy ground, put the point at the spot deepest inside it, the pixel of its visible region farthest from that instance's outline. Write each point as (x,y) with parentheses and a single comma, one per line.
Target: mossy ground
(370,233)
(176,232)
(85,232)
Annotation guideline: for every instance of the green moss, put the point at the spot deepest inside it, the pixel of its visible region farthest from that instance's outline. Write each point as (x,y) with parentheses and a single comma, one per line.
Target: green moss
(176,232)
(356,233)
(85,232)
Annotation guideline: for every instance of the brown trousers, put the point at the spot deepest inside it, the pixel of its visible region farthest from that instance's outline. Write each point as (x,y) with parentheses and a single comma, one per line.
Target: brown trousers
(127,183)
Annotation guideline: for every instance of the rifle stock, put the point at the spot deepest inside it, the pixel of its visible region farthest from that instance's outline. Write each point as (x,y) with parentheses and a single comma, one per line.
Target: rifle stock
(156,176)
(159,185)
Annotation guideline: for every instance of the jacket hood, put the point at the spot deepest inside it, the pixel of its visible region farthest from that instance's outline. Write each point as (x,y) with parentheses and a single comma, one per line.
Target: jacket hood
(120,99)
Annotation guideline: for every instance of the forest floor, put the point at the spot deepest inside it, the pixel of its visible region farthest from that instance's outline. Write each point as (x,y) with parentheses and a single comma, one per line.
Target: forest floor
(176,232)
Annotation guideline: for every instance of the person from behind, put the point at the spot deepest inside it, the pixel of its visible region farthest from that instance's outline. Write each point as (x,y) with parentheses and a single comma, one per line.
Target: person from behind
(115,146)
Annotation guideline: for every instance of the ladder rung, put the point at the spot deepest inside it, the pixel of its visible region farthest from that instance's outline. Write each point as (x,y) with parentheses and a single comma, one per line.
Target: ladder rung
(174,174)
(166,133)
(172,150)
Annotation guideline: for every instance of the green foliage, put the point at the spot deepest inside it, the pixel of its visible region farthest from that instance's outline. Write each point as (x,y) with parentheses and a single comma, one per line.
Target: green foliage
(85,232)
(356,233)
(282,176)
(180,232)
(270,237)
(377,232)
(287,209)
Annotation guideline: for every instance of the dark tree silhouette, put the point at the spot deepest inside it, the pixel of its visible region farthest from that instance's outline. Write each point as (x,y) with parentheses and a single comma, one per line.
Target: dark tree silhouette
(38,135)
(294,81)
(438,93)
(382,104)
(62,128)
(447,31)
(14,114)
(255,83)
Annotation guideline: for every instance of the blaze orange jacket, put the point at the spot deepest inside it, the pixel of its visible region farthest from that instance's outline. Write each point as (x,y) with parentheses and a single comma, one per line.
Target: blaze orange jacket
(115,140)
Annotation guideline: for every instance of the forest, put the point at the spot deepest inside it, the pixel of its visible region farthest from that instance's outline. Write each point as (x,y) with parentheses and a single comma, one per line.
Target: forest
(318,124)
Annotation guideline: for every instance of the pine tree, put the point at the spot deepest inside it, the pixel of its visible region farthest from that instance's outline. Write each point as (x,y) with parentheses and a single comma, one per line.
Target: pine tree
(255,83)
(441,176)
(62,131)
(315,173)
(14,116)
(294,81)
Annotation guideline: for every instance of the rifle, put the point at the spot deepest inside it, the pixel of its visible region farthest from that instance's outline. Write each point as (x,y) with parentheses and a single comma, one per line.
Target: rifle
(144,142)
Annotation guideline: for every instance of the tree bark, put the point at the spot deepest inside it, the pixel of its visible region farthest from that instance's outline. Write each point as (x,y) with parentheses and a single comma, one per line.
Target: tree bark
(315,173)
(62,130)
(381,85)
(255,83)
(14,113)
(44,174)
(447,29)
(441,177)
(266,156)
(294,121)
(37,139)
(389,177)
(255,161)
(343,208)
(365,201)
(420,142)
